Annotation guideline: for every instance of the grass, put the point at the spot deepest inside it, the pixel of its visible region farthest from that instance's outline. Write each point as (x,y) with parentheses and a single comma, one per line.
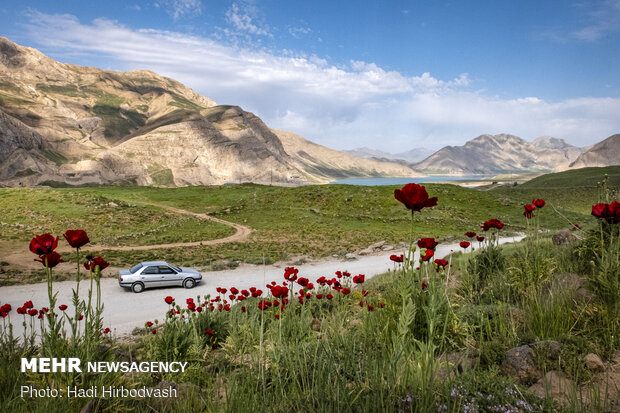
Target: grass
(388,344)
(285,220)
(55,210)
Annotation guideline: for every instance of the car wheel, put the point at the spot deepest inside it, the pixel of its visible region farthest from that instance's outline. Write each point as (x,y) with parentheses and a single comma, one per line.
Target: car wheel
(189,283)
(137,287)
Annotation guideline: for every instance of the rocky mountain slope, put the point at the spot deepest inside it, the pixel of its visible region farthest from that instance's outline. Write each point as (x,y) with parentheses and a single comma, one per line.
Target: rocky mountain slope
(493,154)
(67,124)
(604,153)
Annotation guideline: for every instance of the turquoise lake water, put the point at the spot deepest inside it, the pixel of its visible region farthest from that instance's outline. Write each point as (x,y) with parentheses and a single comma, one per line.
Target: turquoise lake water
(404,181)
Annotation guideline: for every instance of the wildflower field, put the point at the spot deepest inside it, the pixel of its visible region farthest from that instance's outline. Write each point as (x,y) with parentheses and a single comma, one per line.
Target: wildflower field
(485,329)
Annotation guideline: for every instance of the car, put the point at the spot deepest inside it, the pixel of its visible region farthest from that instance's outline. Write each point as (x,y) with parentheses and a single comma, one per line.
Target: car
(157,274)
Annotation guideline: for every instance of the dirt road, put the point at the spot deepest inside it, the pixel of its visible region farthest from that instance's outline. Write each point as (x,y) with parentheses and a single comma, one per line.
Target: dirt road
(23,258)
(125,310)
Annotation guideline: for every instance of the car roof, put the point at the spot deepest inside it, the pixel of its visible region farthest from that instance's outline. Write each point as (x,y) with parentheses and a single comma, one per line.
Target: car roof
(147,263)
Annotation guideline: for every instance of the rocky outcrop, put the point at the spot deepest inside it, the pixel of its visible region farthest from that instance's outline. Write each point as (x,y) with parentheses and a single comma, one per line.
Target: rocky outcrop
(604,153)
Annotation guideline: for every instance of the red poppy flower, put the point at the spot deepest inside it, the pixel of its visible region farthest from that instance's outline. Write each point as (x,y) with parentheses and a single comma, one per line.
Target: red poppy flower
(21,310)
(5,310)
(51,260)
(43,244)
(529,209)
(345,291)
(257,293)
(470,234)
(290,273)
(81,317)
(441,263)
(397,258)
(279,291)
(76,237)
(106,331)
(154,331)
(208,332)
(303,281)
(424,285)
(149,324)
(33,312)
(609,212)
(359,279)
(492,223)
(28,304)
(329,296)
(428,243)
(428,254)
(480,238)
(169,300)
(263,304)
(245,293)
(319,296)
(464,244)
(414,197)
(371,307)
(243,309)
(234,291)
(539,203)
(96,262)
(381,304)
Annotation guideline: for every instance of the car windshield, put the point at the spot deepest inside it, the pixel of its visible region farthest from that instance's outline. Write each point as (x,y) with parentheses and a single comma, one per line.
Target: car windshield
(136,268)
(177,269)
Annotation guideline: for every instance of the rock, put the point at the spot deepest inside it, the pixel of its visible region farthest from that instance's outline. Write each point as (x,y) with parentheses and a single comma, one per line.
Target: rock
(520,363)
(88,407)
(376,245)
(112,204)
(553,385)
(387,248)
(350,256)
(316,211)
(567,281)
(594,363)
(452,364)
(366,251)
(552,347)
(563,237)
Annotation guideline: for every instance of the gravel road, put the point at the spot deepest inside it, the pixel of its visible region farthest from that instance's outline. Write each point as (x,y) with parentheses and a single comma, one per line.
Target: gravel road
(125,310)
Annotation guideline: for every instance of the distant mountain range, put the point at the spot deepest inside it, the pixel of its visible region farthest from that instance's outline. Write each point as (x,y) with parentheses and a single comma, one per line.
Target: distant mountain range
(62,124)
(65,124)
(410,157)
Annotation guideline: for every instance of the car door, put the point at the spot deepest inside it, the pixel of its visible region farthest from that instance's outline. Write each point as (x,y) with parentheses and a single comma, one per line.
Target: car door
(169,276)
(150,276)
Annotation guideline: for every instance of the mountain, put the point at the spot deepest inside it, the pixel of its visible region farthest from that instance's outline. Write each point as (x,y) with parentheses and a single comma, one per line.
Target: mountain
(604,153)
(67,124)
(409,157)
(493,154)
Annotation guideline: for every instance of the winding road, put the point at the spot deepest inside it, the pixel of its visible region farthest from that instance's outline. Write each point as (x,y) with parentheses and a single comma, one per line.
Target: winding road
(22,257)
(125,310)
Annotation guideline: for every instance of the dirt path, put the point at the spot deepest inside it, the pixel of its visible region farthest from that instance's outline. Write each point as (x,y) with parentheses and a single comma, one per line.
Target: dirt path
(150,304)
(22,257)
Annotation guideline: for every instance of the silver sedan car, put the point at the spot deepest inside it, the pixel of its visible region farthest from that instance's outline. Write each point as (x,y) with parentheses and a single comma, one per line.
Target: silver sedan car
(157,274)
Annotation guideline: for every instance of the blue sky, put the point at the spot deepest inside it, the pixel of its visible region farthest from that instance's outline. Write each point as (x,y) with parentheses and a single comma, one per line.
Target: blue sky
(391,75)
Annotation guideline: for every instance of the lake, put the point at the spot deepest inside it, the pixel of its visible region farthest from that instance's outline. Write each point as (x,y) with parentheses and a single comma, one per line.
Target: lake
(404,181)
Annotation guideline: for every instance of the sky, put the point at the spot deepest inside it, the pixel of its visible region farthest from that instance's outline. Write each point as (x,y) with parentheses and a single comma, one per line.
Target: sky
(389,75)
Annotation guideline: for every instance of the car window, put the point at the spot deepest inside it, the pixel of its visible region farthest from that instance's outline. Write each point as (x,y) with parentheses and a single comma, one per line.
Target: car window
(177,269)
(151,270)
(136,268)
(166,270)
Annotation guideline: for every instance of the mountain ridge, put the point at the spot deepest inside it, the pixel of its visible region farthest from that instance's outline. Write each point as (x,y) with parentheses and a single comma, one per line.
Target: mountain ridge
(75,125)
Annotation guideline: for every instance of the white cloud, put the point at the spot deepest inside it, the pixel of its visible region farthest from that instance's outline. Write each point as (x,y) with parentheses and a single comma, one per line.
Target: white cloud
(358,104)
(242,16)
(180,8)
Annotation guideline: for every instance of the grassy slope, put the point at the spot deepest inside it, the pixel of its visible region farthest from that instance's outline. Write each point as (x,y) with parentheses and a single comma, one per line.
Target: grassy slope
(311,220)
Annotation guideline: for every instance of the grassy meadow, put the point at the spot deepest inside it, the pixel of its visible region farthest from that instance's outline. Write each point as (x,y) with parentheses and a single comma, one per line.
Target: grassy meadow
(475,334)
(312,221)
